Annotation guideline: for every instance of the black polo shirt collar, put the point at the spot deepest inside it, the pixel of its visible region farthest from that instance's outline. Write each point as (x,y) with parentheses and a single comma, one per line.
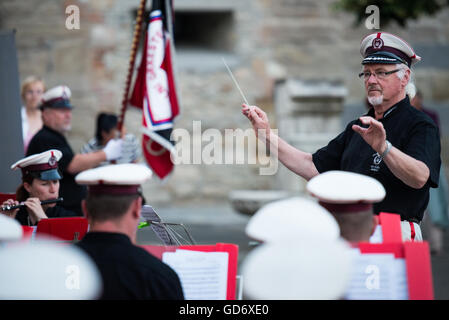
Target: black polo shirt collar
(53,131)
(392,110)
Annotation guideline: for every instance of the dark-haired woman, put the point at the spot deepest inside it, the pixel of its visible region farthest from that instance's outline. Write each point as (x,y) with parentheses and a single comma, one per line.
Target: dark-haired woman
(106,130)
(40,182)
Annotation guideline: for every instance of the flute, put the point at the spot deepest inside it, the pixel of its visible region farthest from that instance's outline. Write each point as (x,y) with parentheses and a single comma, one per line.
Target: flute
(8,207)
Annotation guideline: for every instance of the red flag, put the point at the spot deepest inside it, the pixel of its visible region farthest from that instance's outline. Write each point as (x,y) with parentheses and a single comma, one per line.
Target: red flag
(155,93)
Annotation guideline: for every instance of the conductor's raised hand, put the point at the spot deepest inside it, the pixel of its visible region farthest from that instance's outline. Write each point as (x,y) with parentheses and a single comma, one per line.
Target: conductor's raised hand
(374,135)
(259,120)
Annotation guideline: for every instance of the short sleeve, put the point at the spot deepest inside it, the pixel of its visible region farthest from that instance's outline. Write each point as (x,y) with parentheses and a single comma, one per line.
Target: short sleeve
(424,145)
(329,157)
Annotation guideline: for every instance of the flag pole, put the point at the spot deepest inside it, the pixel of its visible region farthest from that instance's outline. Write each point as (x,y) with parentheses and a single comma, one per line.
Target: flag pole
(135,42)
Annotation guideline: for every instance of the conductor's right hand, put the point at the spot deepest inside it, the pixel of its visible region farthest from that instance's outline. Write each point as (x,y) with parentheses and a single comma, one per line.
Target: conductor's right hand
(113,149)
(258,119)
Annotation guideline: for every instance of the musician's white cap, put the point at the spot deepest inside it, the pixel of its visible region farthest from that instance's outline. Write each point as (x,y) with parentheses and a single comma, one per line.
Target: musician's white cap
(42,165)
(297,270)
(386,48)
(47,271)
(123,178)
(342,191)
(297,217)
(57,98)
(10,229)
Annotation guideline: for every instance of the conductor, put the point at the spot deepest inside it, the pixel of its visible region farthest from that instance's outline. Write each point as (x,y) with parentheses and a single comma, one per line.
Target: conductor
(393,142)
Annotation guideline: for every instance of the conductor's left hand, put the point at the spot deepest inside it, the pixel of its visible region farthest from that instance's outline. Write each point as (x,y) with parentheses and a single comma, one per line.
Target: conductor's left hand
(374,135)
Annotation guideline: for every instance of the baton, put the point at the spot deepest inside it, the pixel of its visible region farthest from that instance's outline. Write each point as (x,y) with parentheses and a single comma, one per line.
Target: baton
(235,81)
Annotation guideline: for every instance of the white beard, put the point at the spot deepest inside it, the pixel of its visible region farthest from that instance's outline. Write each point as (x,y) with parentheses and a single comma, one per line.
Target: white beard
(375,101)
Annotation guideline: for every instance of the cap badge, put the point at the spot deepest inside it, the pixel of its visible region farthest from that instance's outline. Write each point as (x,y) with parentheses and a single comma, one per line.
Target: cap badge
(377,43)
(52,161)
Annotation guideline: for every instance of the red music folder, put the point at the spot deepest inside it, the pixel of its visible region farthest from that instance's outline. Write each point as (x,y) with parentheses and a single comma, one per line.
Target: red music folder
(391,227)
(70,228)
(231,249)
(415,253)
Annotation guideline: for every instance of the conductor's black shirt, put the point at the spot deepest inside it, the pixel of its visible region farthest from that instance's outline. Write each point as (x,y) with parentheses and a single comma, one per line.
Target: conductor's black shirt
(128,271)
(409,130)
(46,139)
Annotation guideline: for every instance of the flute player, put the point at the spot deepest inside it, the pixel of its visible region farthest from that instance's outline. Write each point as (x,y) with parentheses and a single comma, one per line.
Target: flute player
(40,182)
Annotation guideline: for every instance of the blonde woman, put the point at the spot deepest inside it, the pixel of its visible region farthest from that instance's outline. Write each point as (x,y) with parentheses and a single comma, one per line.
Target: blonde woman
(32,90)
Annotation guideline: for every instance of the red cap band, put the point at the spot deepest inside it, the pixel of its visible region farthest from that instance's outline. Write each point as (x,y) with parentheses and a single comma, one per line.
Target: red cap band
(40,167)
(114,189)
(346,207)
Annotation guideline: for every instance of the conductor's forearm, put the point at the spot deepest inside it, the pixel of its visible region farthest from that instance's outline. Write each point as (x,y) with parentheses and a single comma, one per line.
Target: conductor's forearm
(412,172)
(298,161)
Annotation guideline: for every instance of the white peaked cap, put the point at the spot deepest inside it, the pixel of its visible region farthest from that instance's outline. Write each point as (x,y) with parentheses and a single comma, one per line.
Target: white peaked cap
(387,48)
(10,229)
(44,164)
(342,187)
(297,271)
(292,218)
(57,92)
(47,271)
(46,157)
(115,179)
(57,97)
(115,174)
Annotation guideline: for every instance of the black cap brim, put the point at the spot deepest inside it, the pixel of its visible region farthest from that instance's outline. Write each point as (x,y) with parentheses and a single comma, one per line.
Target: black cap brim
(47,175)
(57,104)
(383,57)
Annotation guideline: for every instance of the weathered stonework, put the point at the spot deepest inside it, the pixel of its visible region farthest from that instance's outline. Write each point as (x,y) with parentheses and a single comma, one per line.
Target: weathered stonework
(272,40)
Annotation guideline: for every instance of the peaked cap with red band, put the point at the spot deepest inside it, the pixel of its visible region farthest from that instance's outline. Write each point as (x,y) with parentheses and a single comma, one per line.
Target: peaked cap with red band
(56,98)
(345,192)
(116,179)
(292,218)
(42,165)
(386,48)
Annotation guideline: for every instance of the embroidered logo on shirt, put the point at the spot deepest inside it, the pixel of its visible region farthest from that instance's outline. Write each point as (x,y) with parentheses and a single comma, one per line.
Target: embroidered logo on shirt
(377,159)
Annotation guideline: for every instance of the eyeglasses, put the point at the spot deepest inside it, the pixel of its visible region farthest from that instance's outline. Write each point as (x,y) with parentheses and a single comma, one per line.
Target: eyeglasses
(378,74)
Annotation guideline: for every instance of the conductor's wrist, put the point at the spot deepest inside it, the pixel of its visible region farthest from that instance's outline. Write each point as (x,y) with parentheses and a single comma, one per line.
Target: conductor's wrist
(386,149)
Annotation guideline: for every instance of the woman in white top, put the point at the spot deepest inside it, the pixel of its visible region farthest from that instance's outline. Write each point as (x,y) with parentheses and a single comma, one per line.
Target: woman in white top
(32,90)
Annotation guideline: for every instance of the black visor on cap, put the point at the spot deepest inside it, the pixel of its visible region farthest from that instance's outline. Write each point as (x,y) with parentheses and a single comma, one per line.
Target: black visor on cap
(383,57)
(47,175)
(56,104)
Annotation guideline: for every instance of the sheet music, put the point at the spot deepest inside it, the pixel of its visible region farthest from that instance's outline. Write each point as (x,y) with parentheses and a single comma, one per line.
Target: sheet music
(148,214)
(162,234)
(377,277)
(203,275)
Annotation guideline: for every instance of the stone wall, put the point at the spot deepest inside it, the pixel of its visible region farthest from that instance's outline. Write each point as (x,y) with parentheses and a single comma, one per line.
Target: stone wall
(264,41)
